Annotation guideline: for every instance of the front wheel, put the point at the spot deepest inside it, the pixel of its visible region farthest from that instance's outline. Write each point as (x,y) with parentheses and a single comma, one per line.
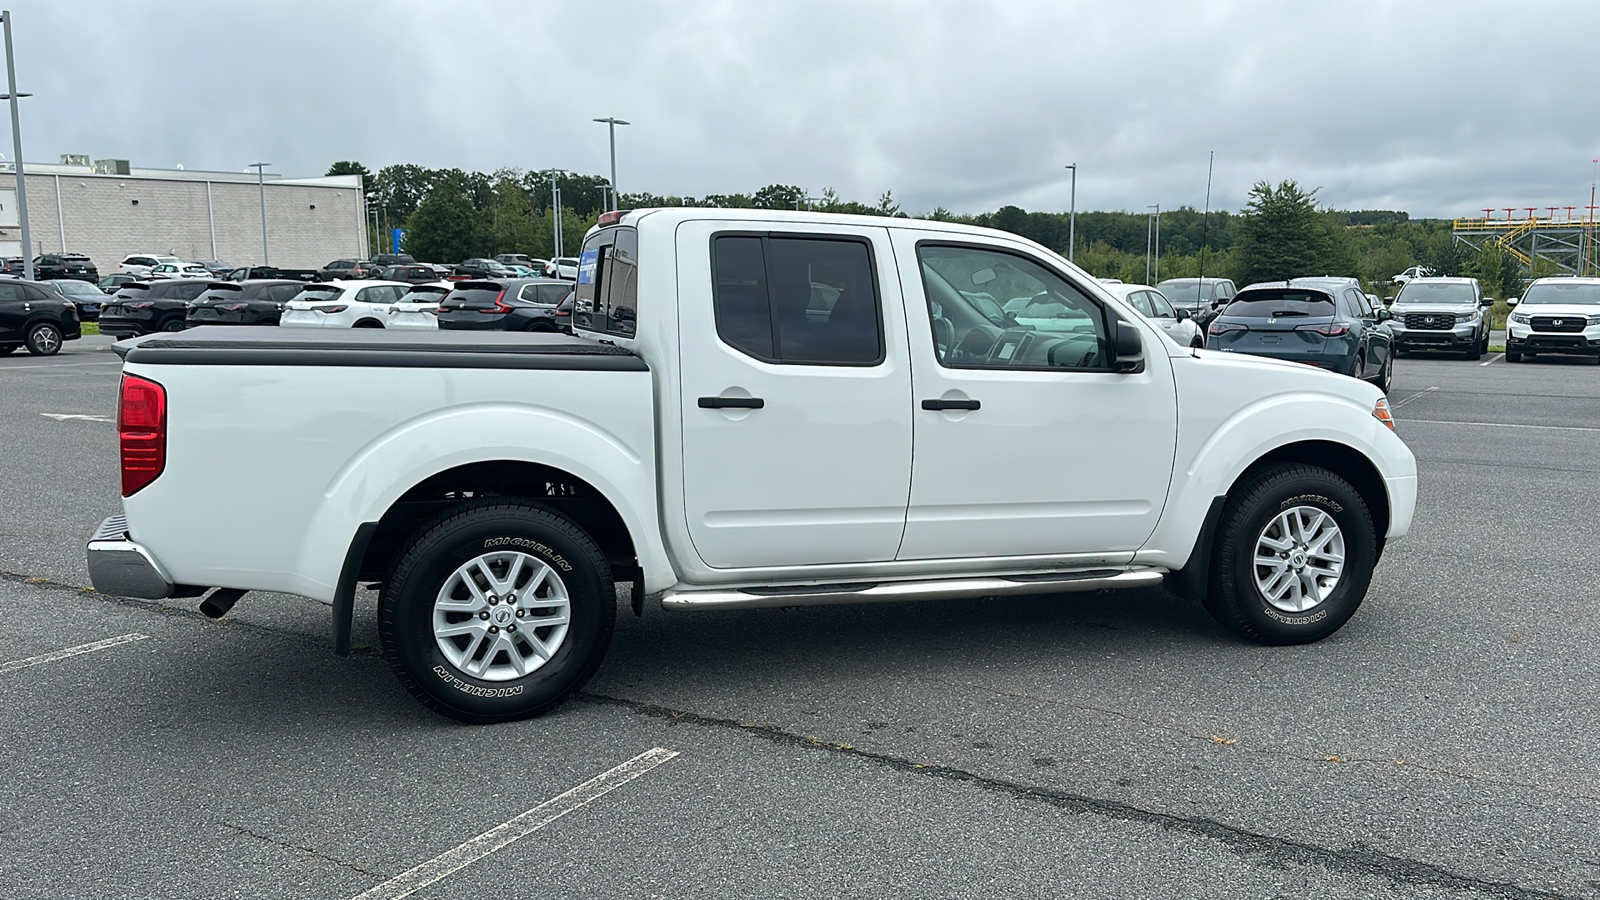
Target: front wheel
(498,610)
(1513,357)
(44,339)
(1294,556)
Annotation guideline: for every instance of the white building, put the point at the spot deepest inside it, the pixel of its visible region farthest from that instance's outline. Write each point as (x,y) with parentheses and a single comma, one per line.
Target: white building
(108,209)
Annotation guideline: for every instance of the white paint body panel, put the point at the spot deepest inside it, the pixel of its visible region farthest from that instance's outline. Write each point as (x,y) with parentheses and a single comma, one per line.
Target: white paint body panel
(345,453)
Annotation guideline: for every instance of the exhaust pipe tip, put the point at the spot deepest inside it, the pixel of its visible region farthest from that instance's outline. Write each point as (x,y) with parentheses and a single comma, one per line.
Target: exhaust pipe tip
(219,601)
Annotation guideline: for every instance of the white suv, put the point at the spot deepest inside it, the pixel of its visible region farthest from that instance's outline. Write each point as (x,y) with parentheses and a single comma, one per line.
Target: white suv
(142,263)
(1555,315)
(343,304)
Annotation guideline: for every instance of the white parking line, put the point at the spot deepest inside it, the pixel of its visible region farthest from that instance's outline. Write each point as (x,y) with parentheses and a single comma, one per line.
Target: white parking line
(1498,425)
(409,882)
(1399,403)
(1491,359)
(52,656)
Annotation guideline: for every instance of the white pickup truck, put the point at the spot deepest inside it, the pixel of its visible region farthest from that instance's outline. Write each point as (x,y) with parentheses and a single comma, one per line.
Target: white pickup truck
(758,409)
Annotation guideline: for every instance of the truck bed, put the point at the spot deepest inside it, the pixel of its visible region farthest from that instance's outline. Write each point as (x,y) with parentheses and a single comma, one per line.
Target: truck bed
(216,345)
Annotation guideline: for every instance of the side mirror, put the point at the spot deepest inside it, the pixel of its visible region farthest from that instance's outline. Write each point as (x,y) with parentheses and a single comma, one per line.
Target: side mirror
(1486,302)
(1127,349)
(1512,301)
(1180,313)
(1384,315)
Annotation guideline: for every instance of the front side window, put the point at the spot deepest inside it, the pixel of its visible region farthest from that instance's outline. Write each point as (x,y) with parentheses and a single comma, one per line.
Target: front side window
(797,300)
(1048,323)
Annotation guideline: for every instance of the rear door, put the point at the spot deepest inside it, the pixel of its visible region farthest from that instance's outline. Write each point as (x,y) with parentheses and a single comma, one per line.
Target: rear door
(796,393)
(13,312)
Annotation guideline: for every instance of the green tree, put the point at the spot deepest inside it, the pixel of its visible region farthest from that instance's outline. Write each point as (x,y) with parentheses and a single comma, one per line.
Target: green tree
(446,227)
(780,196)
(350,167)
(1281,235)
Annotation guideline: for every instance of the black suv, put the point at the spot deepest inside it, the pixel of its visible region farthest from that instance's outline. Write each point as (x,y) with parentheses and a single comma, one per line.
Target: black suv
(393,259)
(242,303)
(252,273)
(410,274)
(506,304)
(52,266)
(348,269)
(483,268)
(31,315)
(145,307)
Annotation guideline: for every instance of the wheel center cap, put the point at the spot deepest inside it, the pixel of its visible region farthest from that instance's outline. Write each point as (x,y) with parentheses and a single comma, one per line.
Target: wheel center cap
(502,615)
(1298,559)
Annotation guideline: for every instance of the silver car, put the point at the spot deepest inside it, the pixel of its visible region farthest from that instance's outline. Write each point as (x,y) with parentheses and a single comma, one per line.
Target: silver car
(1153,305)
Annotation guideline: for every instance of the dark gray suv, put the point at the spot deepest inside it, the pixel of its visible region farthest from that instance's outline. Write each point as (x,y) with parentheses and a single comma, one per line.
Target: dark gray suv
(1323,322)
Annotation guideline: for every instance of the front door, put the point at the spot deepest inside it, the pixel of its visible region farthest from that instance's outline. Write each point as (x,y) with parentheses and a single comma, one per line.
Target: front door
(795,395)
(1027,441)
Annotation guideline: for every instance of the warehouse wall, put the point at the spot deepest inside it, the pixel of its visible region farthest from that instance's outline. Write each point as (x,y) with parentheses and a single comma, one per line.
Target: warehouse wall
(307,225)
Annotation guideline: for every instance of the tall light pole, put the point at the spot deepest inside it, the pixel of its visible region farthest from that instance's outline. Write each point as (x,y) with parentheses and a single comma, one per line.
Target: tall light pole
(1158,243)
(611,123)
(1149,230)
(555,202)
(16,146)
(261,184)
(1072,216)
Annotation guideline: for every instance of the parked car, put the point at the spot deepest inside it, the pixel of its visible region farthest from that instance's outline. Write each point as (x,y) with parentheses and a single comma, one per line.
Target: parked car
(1555,315)
(84,295)
(760,410)
(1203,298)
(1323,322)
(1177,323)
(163,271)
(1413,272)
(110,283)
(469,269)
(503,305)
(385,260)
(342,304)
(36,317)
(410,274)
(141,263)
(241,303)
(348,270)
(418,308)
(522,272)
(13,267)
(146,307)
(516,259)
(565,268)
(53,266)
(254,273)
(216,267)
(1441,314)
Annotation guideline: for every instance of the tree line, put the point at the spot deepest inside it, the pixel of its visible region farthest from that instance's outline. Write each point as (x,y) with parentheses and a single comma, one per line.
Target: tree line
(449,215)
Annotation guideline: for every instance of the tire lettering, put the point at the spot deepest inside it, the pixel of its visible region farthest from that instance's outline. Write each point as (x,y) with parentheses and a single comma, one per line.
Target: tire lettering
(1312,619)
(473,690)
(1311,498)
(535,546)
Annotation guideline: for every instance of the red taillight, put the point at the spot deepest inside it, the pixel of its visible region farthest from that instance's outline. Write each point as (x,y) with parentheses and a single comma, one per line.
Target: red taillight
(500,306)
(329,309)
(612,218)
(1225,327)
(142,428)
(1335,329)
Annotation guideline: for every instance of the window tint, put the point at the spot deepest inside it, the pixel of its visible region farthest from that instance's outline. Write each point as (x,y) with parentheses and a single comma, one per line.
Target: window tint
(619,285)
(188,291)
(11,293)
(552,294)
(1141,302)
(1274,302)
(1050,324)
(797,300)
(382,293)
(1163,309)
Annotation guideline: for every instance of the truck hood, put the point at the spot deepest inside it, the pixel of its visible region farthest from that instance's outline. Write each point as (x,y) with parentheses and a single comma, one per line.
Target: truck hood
(1283,375)
(1576,310)
(1449,309)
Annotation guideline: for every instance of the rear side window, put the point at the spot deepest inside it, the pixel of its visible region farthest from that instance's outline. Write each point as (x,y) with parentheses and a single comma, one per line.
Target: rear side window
(607,288)
(222,293)
(797,300)
(1269,303)
(551,294)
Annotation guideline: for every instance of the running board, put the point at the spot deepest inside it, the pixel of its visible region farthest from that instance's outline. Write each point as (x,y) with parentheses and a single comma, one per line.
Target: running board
(893,591)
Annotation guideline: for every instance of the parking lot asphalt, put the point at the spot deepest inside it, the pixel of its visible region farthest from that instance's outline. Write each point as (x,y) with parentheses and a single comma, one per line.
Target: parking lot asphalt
(1104,745)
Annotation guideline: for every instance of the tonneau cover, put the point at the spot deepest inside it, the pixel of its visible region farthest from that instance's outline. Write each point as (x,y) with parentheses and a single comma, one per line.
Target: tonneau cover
(226,346)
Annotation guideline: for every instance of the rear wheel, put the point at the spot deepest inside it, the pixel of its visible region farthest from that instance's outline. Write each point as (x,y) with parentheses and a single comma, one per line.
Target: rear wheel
(499,610)
(1385,374)
(44,339)
(1294,556)
(174,323)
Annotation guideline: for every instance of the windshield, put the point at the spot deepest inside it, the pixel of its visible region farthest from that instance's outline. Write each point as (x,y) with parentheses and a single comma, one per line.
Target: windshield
(1186,291)
(1576,294)
(76,287)
(425,293)
(1433,292)
(318,294)
(1275,304)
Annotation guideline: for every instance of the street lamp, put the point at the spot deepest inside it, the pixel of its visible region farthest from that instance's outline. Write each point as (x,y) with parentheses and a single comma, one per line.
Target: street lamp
(555,202)
(1072,216)
(1152,225)
(261,184)
(611,123)
(16,145)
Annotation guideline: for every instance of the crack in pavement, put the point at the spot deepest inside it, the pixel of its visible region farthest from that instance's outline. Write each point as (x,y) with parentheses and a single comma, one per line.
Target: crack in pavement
(1358,859)
(310,851)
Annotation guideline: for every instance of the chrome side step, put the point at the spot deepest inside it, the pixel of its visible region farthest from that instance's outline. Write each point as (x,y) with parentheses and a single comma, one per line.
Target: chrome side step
(892,591)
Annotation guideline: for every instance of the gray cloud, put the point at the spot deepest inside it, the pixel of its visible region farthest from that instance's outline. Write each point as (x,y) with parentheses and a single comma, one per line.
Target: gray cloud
(1440,108)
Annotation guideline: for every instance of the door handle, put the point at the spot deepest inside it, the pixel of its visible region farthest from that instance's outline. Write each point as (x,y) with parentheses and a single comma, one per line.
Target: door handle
(732,403)
(951,404)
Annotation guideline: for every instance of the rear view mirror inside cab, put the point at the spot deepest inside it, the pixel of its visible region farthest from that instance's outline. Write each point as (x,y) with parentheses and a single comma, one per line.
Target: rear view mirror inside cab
(984,276)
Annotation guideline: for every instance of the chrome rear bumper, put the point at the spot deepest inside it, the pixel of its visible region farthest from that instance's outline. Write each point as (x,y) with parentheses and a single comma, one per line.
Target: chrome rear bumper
(120,567)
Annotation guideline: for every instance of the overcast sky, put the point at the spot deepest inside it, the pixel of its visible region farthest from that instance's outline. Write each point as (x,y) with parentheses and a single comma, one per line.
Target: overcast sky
(1437,108)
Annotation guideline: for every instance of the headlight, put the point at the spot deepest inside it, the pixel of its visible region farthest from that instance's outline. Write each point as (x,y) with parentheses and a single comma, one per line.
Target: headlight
(1520,318)
(1593,320)
(1466,317)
